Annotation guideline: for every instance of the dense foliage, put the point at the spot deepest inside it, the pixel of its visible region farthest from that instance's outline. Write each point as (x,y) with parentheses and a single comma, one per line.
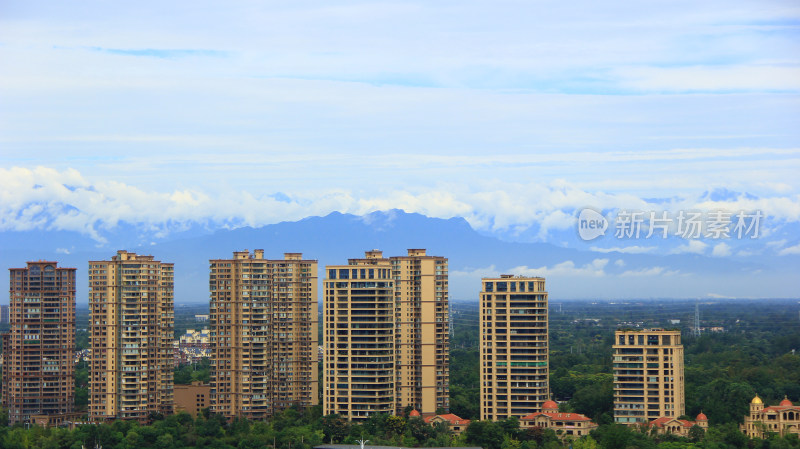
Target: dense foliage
(297,429)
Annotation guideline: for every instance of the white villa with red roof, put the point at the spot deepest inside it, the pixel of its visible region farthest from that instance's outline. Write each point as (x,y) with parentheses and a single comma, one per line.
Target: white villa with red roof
(569,424)
(782,419)
(680,427)
(455,422)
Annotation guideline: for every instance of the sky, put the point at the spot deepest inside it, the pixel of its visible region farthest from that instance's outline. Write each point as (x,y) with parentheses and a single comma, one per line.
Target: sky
(512,114)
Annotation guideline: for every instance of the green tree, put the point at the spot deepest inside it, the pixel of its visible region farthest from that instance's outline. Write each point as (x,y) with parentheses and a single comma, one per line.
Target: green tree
(614,436)
(696,433)
(726,401)
(486,434)
(586,442)
(594,400)
(335,428)
(396,425)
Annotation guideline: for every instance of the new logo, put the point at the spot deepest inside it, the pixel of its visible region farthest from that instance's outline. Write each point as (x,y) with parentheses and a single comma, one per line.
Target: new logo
(591,224)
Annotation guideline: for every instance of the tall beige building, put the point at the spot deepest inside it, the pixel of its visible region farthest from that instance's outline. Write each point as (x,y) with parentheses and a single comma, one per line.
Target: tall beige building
(386,335)
(422,338)
(263,334)
(39,349)
(514,346)
(648,375)
(130,332)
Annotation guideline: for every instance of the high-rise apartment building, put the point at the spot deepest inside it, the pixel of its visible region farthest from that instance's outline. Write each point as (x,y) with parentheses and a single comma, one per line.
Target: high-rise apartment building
(386,335)
(359,367)
(39,350)
(514,346)
(648,375)
(422,337)
(263,334)
(131,314)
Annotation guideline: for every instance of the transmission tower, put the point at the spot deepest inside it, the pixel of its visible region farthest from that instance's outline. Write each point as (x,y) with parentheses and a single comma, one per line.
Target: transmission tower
(696,319)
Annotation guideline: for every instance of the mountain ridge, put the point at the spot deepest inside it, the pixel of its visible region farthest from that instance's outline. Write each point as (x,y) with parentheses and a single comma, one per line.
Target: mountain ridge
(336,237)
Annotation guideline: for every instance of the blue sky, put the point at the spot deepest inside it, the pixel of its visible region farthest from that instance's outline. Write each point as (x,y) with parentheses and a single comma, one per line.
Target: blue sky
(512,114)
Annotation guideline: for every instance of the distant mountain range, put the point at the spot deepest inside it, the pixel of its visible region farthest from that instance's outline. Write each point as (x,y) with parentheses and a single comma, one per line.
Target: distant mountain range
(332,239)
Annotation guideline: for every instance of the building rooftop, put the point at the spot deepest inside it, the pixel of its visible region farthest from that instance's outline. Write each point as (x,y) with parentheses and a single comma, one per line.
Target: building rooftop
(557,416)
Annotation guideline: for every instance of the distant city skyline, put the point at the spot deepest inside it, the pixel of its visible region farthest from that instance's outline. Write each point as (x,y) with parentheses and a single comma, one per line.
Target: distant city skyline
(515,116)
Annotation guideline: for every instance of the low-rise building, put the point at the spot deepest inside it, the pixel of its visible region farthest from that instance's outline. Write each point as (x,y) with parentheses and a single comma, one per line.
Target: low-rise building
(192,346)
(456,423)
(782,419)
(192,398)
(62,420)
(564,424)
(680,427)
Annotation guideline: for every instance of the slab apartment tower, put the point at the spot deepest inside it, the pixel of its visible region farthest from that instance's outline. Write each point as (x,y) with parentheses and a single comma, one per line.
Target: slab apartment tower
(514,346)
(39,349)
(648,375)
(386,335)
(264,342)
(131,314)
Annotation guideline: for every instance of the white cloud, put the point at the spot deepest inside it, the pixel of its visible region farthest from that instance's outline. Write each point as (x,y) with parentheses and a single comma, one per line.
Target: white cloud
(721,249)
(748,253)
(692,246)
(652,271)
(46,198)
(595,268)
(792,250)
(717,78)
(718,296)
(619,263)
(776,244)
(626,250)
(490,271)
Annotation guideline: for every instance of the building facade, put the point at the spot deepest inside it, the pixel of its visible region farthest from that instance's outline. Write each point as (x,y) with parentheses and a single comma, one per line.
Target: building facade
(263,334)
(359,338)
(680,427)
(455,423)
(565,425)
(422,337)
(131,314)
(648,375)
(38,350)
(514,346)
(781,419)
(386,335)
(193,398)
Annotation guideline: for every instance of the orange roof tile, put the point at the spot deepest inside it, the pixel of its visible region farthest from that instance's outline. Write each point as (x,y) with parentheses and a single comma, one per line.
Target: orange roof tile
(780,408)
(556,416)
(450,418)
(659,422)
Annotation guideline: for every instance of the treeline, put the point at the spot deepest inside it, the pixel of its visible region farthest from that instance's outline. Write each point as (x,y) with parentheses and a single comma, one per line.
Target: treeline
(298,429)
